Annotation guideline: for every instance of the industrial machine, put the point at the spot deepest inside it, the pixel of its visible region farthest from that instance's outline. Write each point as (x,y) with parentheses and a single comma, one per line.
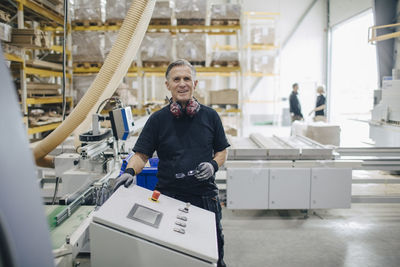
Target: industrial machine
(385,119)
(138,228)
(286,173)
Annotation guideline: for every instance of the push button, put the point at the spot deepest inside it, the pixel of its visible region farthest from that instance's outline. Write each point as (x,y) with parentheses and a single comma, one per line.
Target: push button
(179,230)
(156,195)
(180,223)
(183,218)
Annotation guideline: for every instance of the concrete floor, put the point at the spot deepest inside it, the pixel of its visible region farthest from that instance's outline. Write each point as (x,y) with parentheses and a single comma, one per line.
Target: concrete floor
(365,235)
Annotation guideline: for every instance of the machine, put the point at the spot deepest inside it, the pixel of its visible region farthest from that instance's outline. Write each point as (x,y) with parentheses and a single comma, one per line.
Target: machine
(81,181)
(135,227)
(286,173)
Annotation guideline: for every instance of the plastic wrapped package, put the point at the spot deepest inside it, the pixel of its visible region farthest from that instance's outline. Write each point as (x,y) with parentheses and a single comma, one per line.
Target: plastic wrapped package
(127,95)
(162,10)
(81,85)
(157,47)
(224,97)
(87,46)
(192,47)
(116,9)
(87,10)
(191,12)
(263,35)
(109,39)
(225,59)
(225,14)
(263,63)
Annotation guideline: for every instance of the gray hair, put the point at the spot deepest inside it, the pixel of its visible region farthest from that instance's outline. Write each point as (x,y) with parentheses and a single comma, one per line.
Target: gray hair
(180,62)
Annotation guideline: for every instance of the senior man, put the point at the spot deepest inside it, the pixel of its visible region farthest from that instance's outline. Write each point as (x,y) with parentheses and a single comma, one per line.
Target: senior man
(191,145)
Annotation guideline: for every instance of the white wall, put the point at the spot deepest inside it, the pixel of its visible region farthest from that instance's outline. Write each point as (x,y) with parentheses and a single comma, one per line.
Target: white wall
(341,10)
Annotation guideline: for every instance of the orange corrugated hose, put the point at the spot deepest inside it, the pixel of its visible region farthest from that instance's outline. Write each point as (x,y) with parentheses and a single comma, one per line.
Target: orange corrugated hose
(107,80)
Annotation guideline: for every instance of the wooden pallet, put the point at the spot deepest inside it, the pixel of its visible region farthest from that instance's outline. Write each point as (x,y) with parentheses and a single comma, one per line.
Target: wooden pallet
(191,22)
(41,86)
(87,65)
(198,63)
(86,23)
(40,92)
(225,22)
(223,63)
(160,21)
(155,64)
(114,22)
(40,64)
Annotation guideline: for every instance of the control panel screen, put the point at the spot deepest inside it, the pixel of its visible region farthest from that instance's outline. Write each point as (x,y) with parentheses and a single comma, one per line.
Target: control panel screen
(145,215)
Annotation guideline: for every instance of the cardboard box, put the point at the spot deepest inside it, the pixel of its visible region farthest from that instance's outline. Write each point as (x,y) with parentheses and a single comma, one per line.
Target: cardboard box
(224,97)
(5,32)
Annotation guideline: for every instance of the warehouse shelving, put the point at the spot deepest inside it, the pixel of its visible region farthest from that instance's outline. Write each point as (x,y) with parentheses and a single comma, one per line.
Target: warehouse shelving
(259,44)
(38,14)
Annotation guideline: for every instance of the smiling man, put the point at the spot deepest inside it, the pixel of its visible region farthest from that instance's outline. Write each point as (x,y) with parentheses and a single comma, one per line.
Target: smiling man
(191,145)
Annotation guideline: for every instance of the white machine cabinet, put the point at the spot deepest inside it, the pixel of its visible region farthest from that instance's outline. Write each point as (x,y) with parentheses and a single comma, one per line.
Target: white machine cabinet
(330,188)
(130,229)
(289,188)
(247,188)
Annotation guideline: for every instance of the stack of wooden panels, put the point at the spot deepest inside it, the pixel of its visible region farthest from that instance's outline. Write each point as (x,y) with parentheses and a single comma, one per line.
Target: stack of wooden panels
(30,38)
(36,89)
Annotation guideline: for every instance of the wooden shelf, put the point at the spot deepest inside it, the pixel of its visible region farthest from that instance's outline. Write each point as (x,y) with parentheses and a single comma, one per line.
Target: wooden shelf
(44,73)
(43,128)
(209,29)
(43,11)
(47,100)
(12,57)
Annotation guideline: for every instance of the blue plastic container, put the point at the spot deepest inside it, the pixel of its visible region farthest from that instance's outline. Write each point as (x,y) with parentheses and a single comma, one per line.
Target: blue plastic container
(147,178)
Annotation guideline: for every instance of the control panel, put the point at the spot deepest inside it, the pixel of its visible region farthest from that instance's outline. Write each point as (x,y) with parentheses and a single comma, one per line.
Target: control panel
(159,219)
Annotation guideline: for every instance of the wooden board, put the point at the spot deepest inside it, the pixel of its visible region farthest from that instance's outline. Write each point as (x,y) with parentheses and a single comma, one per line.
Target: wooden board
(86,23)
(4,16)
(43,64)
(224,63)
(46,86)
(155,64)
(160,21)
(191,22)
(225,22)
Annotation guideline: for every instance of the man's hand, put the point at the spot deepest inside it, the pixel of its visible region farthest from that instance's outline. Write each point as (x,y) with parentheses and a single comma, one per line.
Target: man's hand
(125,179)
(206,170)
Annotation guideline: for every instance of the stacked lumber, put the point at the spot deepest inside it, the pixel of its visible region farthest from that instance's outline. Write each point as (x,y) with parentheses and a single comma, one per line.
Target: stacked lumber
(30,38)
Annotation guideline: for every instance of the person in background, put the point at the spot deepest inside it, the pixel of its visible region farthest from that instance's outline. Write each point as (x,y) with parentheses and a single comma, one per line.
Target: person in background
(191,145)
(320,105)
(295,107)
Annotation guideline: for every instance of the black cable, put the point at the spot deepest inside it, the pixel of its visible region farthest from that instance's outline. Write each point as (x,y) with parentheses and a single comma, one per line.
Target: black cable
(116,99)
(55,190)
(64,100)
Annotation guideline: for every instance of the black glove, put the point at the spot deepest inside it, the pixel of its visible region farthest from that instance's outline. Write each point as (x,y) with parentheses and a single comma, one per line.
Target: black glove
(126,179)
(206,169)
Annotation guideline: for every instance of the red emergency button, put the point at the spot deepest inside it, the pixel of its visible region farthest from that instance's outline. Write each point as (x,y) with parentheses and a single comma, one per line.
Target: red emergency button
(156,195)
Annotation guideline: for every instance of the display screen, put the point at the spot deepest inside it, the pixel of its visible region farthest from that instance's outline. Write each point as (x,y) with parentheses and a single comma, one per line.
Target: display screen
(145,215)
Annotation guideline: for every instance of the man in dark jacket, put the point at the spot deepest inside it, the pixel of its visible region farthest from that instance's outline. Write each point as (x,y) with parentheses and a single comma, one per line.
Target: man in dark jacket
(295,107)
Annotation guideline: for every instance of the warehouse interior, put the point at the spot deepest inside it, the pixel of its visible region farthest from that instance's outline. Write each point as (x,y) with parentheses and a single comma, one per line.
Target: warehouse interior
(303,182)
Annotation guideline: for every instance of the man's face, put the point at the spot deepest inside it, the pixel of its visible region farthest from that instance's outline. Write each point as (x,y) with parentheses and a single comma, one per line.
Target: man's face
(295,88)
(181,84)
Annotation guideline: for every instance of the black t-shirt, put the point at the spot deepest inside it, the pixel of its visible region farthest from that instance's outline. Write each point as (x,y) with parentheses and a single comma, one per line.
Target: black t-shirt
(320,102)
(181,145)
